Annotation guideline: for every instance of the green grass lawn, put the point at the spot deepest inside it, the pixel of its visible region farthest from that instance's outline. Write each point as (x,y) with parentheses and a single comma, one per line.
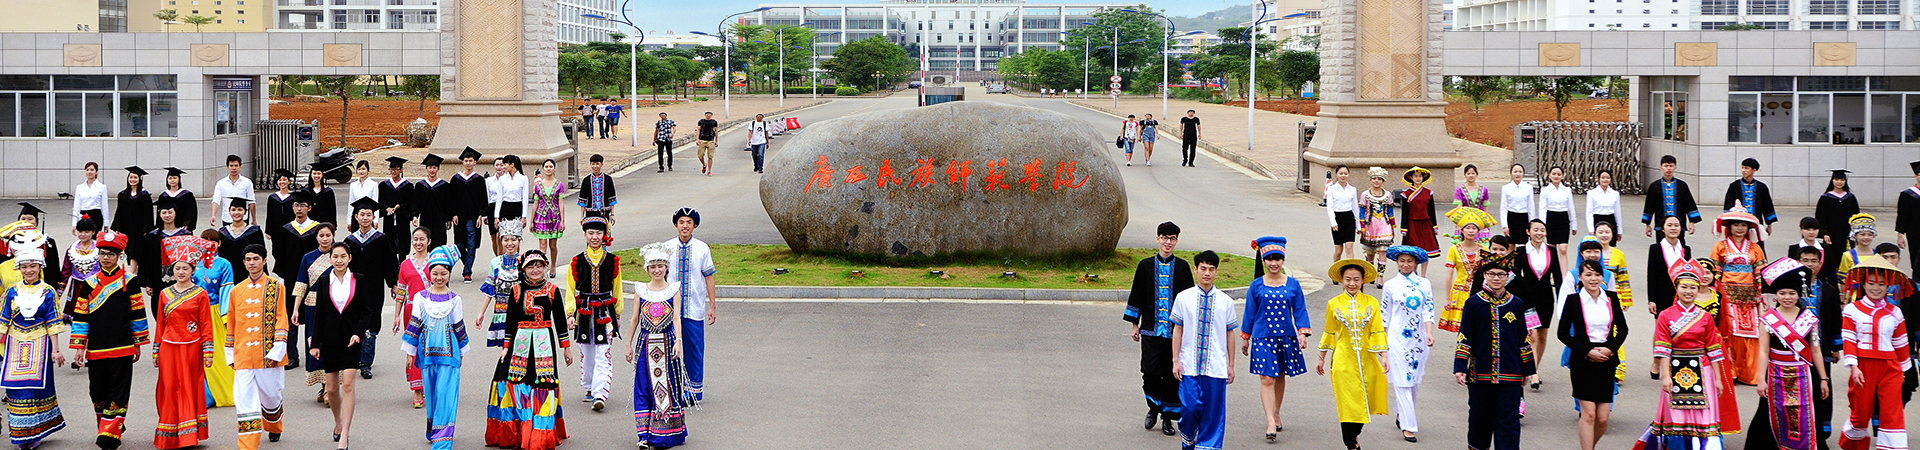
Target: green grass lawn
(753,265)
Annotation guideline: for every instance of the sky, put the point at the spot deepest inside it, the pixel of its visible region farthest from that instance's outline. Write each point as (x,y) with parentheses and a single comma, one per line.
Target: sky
(705,15)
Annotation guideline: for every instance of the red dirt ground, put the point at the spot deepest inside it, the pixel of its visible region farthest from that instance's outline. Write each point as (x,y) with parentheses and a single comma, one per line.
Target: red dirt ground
(1493,124)
(371,122)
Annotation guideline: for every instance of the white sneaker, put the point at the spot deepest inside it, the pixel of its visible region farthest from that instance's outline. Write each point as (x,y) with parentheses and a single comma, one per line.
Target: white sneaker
(1129,163)
(1149,163)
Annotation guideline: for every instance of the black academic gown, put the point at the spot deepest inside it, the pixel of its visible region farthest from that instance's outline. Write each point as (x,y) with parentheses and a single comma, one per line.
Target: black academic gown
(131,216)
(324,207)
(233,247)
(290,244)
(334,327)
(396,196)
(146,251)
(1832,212)
(186,212)
(434,203)
(279,211)
(1908,223)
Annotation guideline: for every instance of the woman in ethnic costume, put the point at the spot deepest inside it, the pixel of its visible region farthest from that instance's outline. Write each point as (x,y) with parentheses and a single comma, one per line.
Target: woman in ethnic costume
(1356,338)
(503,275)
(184,347)
(30,325)
(1470,194)
(214,273)
(82,260)
(523,408)
(1463,257)
(408,281)
(436,341)
(1696,400)
(1275,327)
(1875,350)
(347,311)
(1377,228)
(659,384)
(1417,214)
(549,219)
(1784,419)
(313,266)
(1739,255)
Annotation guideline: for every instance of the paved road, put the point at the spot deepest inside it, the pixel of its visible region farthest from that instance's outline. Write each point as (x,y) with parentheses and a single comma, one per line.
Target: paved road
(933,375)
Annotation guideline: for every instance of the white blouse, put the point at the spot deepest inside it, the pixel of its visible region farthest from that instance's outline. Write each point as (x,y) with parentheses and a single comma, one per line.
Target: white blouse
(1517,197)
(1557,198)
(341,290)
(513,189)
(1603,202)
(90,196)
(358,189)
(1341,198)
(1597,315)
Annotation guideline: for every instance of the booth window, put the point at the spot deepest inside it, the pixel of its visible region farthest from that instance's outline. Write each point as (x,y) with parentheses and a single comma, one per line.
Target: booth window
(233,112)
(1816,110)
(87,106)
(1669,108)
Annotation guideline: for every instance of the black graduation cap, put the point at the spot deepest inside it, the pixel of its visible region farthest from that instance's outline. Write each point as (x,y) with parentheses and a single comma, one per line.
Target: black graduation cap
(431,160)
(166,202)
(470,153)
(367,203)
(175,171)
(280,173)
(238,202)
(1841,174)
(136,170)
(302,196)
(27,209)
(395,162)
(1916,167)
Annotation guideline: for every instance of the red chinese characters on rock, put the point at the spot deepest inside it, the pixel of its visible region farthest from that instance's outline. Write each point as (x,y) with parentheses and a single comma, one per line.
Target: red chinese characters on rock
(1034,175)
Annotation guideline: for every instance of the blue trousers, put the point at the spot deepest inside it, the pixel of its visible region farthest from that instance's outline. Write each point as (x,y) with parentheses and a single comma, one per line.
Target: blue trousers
(695,336)
(442,384)
(759,155)
(366,351)
(466,235)
(1203,412)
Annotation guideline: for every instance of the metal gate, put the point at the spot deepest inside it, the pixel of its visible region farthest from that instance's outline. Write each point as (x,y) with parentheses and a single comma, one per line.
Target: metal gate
(1583,149)
(280,144)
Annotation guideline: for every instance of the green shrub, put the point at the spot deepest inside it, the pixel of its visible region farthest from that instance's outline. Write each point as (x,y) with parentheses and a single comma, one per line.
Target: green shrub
(846,91)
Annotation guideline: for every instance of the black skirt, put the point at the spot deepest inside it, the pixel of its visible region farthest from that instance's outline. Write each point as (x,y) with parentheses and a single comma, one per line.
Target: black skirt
(1517,228)
(1343,234)
(1608,218)
(1591,381)
(1559,227)
(512,210)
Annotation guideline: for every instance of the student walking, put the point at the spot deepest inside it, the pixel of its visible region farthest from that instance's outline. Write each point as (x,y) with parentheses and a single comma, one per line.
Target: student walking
(436,341)
(1356,339)
(1129,136)
(1751,196)
(256,345)
(708,136)
(1189,138)
(1275,328)
(1203,322)
(757,134)
(597,195)
(692,273)
(660,395)
(1149,132)
(183,322)
(1149,304)
(348,304)
(1494,357)
(31,322)
(663,143)
(1406,309)
(109,327)
(593,278)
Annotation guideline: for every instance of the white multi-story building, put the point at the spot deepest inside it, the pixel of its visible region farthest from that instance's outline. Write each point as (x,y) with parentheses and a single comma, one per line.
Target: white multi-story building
(964,35)
(424,15)
(659,39)
(1561,15)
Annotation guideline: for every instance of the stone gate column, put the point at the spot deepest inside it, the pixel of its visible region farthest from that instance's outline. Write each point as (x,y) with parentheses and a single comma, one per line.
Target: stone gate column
(1380,98)
(499,78)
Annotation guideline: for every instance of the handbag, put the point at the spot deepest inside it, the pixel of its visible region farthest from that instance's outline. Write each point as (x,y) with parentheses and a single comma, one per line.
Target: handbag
(1120,142)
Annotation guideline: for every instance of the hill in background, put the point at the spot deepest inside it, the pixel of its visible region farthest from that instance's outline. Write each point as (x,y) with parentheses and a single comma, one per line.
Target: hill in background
(1228,17)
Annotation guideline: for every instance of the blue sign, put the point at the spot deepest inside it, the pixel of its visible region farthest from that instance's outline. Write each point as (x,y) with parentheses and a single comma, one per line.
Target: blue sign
(233,84)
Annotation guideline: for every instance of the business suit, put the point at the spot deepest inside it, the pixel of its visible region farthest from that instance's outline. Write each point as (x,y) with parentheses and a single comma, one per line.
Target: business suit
(1592,380)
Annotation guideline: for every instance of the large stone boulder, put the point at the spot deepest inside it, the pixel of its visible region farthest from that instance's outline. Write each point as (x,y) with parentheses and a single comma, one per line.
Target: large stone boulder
(959,177)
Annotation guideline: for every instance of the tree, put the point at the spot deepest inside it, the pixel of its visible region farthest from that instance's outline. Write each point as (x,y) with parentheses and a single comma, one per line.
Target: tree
(1561,89)
(287,81)
(1481,90)
(616,36)
(1231,67)
(1295,69)
(668,52)
(686,71)
(339,86)
(197,21)
(167,16)
(870,63)
(422,87)
(579,70)
(1133,57)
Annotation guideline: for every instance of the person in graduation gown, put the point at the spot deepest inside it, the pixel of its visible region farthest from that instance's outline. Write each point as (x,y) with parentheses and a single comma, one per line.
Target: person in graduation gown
(147,253)
(324,207)
(291,242)
(109,327)
(214,274)
(279,203)
(1786,414)
(373,260)
(188,211)
(1751,195)
(31,322)
(238,234)
(436,340)
(130,212)
(1696,405)
(1837,204)
(1907,224)
(523,406)
(433,202)
(1593,328)
(1669,197)
(395,195)
(343,317)
(1810,230)
(181,321)
(1356,341)
(470,191)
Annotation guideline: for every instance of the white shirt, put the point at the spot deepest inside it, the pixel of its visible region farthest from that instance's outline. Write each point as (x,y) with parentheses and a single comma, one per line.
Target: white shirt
(1597,314)
(90,196)
(512,189)
(1517,197)
(341,290)
(756,132)
(1341,198)
(493,189)
(1205,333)
(1603,202)
(1557,199)
(227,188)
(692,279)
(1672,251)
(1540,257)
(358,189)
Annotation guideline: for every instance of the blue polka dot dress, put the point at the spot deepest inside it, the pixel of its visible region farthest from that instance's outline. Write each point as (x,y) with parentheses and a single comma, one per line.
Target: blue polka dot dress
(1273,317)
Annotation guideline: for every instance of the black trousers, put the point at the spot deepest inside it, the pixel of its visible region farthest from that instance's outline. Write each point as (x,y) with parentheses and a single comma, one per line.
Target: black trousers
(663,153)
(110,383)
(1156,377)
(1188,146)
(1493,416)
(1350,433)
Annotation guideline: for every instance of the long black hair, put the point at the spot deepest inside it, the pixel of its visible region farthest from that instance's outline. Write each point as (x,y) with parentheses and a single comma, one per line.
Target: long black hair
(1842,176)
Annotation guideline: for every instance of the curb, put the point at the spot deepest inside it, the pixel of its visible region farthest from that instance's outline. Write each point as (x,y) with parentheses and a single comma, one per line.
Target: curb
(1209,147)
(809,292)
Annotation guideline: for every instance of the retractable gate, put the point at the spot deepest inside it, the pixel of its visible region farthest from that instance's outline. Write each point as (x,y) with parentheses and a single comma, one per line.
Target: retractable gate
(1583,149)
(280,144)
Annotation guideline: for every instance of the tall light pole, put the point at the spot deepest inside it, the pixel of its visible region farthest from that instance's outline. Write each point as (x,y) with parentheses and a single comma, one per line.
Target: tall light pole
(633,70)
(1116,54)
(726,72)
(813,49)
(780,36)
(1163,55)
(1253,59)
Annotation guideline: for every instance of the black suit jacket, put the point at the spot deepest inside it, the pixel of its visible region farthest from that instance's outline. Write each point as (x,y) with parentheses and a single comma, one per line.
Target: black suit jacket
(1572,331)
(333,328)
(1660,289)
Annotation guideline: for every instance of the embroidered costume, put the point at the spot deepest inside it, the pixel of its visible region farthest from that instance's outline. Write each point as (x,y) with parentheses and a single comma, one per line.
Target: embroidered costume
(660,395)
(436,340)
(110,324)
(594,276)
(1495,352)
(1206,324)
(1418,217)
(1406,309)
(1875,344)
(256,346)
(1150,305)
(523,407)
(690,270)
(1785,419)
(1273,320)
(1356,335)
(1700,406)
(1462,259)
(30,322)
(1740,294)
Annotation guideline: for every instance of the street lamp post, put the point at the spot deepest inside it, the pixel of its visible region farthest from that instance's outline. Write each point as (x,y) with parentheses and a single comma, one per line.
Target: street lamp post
(1253,59)
(779,36)
(726,73)
(633,68)
(813,75)
(1164,89)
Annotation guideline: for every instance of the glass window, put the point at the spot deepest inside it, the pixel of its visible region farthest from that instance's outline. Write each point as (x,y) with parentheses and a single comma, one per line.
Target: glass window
(68,110)
(33,114)
(133,114)
(1879,25)
(1913,118)
(165,115)
(1771,25)
(1849,118)
(147,83)
(98,115)
(1719,7)
(1832,25)
(232,113)
(24,82)
(1884,113)
(1832,84)
(1879,7)
(1767,7)
(9,114)
(1815,110)
(1743,119)
(83,82)
(1750,84)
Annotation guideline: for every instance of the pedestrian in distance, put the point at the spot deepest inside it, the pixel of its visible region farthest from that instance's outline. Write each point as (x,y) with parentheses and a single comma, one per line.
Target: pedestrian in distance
(1837,205)
(1129,136)
(709,134)
(758,132)
(663,142)
(1189,138)
(597,195)
(611,127)
(1343,203)
(1149,132)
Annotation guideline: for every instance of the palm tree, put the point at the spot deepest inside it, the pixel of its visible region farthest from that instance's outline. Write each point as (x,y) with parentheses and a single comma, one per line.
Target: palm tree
(167,17)
(197,21)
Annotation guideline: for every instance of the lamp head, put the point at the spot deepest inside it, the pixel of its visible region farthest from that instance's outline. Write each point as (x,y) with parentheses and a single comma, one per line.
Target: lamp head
(594,16)
(763,8)
(1290,16)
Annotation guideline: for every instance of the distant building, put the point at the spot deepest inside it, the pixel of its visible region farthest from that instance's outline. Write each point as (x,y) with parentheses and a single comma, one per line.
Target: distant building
(659,39)
(1669,15)
(228,15)
(421,15)
(968,36)
(60,16)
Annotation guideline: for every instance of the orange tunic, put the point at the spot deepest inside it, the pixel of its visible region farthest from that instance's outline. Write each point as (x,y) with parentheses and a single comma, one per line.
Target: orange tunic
(256,321)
